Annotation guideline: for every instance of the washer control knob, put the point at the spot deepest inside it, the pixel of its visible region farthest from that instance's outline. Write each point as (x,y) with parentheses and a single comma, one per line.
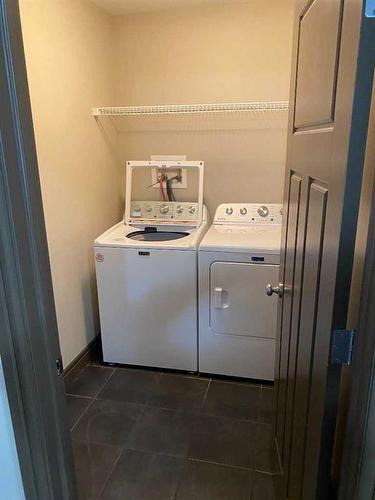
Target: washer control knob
(263,211)
(191,209)
(229,211)
(164,209)
(179,209)
(148,208)
(136,211)
(243,211)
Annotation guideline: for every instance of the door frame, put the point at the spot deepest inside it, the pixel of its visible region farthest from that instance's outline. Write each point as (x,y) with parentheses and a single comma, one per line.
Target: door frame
(357,465)
(29,344)
(357,468)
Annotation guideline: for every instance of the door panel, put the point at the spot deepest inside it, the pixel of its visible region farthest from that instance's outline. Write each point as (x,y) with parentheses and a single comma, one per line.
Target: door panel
(285,386)
(316,209)
(322,189)
(238,304)
(316,74)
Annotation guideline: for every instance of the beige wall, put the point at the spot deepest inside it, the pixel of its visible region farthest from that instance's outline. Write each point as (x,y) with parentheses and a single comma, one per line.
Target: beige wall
(223,53)
(79,57)
(68,46)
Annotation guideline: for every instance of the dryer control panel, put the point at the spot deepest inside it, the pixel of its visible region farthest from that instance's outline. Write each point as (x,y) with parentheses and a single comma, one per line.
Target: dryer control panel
(248,213)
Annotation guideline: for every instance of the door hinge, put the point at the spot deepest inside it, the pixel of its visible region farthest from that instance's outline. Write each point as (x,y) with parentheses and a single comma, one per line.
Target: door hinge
(342,347)
(59,366)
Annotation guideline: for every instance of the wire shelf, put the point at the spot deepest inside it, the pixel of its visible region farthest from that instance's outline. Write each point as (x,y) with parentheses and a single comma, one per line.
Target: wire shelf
(170,109)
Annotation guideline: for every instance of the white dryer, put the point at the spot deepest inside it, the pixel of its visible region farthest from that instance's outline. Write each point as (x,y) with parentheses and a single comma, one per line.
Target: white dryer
(238,257)
(146,271)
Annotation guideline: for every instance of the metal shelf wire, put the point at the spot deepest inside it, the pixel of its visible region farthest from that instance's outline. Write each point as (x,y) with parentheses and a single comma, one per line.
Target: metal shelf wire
(171,109)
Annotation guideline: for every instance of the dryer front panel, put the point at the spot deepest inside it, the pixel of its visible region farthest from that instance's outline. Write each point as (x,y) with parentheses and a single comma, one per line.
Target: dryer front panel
(238,301)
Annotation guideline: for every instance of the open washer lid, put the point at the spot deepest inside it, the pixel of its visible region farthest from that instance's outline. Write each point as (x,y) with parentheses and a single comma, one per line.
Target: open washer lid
(142,216)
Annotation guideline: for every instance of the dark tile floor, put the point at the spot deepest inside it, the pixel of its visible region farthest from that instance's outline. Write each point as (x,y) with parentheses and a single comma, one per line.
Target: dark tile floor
(152,435)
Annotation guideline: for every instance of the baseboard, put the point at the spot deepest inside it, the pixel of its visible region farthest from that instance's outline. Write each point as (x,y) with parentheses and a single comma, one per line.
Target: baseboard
(84,357)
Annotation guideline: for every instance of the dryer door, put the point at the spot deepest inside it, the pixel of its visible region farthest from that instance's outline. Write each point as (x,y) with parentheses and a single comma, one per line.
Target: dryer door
(238,302)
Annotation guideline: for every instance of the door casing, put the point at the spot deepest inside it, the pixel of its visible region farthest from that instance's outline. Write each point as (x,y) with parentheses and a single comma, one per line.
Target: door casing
(29,340)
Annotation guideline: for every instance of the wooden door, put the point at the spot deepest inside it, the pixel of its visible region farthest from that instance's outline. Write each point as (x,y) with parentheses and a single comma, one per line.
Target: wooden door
(326,140)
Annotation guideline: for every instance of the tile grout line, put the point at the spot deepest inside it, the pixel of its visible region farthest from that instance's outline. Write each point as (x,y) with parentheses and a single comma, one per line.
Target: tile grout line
(93,399)
(80,417)
(251,468)
(124,445)
(110,474)
(260,406)
(206,392)
(78,396)
(190,459)
(258,422)
(251,489)
(237,382)
(146,404)
(229,466)
(267,473)
(199,413)
(123,448)
(105,383)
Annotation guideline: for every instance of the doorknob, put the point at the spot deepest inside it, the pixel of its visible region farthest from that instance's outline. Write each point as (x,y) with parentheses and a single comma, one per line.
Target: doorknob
(275,289)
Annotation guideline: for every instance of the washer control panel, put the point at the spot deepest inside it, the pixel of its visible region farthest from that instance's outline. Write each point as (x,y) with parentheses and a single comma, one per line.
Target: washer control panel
(164,210)
(248,213)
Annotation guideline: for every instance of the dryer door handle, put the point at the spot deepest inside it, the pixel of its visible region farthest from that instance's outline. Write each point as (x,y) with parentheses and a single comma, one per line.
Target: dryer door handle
(220,298)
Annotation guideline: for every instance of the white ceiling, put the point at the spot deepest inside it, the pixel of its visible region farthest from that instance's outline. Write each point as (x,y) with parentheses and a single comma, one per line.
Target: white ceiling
(119,7)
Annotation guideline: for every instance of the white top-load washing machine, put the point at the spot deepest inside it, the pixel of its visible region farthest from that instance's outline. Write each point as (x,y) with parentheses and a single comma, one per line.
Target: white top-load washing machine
(146,270)
(238,257)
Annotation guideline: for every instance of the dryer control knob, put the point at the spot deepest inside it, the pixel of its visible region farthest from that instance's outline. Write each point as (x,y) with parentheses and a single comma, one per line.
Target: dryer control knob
(148,208)
(243,211)
(164,209)
(229,211)
(263,211)
(191,209)
(179,209)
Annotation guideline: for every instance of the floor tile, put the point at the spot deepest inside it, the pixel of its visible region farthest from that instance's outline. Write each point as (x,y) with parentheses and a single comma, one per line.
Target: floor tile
(265,454)
(107,422)
(267,461)
(93,463)
(131,385)
(76,405)
(232,399)
(223,440)
(267,405)
(262,487)
(141,476)
(265,435)
(161,431)
(204,481)
(179,392)
(87,381)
